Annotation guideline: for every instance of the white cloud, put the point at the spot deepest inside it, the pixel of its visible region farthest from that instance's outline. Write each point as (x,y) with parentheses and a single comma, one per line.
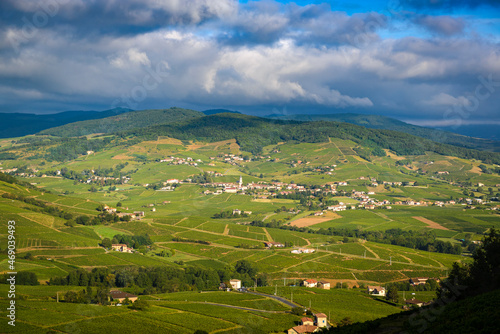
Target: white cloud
(443,99)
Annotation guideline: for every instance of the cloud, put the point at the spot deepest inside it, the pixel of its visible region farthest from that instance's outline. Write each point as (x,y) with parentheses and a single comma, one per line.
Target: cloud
(443,99)
(114,16)
(254,55)
(442,25)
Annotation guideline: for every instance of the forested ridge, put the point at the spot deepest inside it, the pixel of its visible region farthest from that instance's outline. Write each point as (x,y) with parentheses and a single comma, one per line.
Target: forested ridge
(253,133)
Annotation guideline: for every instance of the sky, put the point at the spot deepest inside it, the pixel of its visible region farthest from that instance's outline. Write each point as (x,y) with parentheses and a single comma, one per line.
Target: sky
(430,62)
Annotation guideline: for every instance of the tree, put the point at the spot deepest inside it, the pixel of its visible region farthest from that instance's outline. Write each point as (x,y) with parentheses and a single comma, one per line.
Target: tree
(392,294)
(27,278)
(245,267)
(345,322)
(481,276)
(140,305)
(106,243)
(297,310)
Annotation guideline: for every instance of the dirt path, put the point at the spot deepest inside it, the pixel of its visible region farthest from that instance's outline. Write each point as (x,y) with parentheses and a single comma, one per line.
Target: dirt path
(226,230)
(180,221)
(27,217)
(430,223)
(383,216)
(269,237)
(368,249)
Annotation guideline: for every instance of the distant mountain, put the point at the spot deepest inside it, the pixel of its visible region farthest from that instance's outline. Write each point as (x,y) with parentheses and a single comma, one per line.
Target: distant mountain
(487,131)
(387,123)
(17,124)
(219,111)
(125,121)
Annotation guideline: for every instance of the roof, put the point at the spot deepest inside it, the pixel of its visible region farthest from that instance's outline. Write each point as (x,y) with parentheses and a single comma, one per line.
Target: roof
(324,282)
(306,319)
(311,281)
(376,287)
(305,328)
(320,315)
(235,280)
(413,301)
(121,294)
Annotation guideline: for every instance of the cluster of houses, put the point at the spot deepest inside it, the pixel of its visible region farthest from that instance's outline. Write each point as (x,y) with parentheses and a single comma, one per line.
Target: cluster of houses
(181,161)
(101,179)
(308,325)
(302,251)
(134,215)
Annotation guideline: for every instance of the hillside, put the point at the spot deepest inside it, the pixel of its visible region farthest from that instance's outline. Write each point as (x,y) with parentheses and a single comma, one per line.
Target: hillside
(343,207)
(387,123)
(253,133)
(17,125)
(122,122)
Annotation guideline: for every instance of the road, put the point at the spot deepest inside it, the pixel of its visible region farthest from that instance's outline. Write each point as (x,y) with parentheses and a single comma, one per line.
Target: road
(281,299)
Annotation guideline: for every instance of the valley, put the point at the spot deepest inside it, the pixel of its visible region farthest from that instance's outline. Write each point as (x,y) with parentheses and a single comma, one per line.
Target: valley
(353,210)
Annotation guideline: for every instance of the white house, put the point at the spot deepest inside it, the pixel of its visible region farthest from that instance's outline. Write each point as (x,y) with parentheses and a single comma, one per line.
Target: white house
(376,290)
(235,284)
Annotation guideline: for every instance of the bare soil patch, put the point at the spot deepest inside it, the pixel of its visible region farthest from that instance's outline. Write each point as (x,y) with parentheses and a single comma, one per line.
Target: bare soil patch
(312,220)
(430,223)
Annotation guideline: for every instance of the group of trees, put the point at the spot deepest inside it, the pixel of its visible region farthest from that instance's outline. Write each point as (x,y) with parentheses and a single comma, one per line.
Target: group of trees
(411,239)
(101,218)
(480,276)
(202,178)
(149,280)
(228,214)
(132,241)
(87,296)
(22,278)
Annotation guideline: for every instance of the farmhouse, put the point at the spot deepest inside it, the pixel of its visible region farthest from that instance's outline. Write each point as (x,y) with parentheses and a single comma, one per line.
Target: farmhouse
(414,302)
(303,329)
(321,320)
(270,244)
(121,248)
(324,285)
(235,284)
(376,290)
(139,214)
(120,296)
(418,280)
(302,250)
(307,325)
(310,283)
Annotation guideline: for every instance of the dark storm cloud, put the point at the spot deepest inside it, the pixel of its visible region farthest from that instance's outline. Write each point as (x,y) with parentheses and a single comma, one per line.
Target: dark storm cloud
(117,17)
